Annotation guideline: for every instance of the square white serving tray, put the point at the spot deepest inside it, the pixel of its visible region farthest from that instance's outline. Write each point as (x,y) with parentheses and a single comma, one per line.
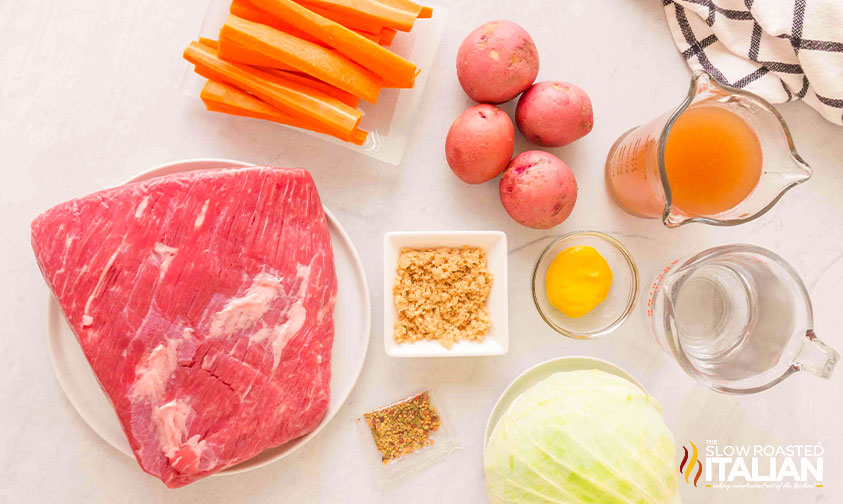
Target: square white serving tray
(390,122)
(493,243)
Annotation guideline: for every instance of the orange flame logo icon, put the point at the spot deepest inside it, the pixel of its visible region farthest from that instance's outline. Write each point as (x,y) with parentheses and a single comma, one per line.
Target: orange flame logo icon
(686,467)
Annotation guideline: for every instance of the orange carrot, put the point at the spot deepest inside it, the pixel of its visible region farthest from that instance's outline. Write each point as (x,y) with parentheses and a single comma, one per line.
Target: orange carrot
(236,53)
(426,12)
(220,97)
(373,10)
(245,10)
(358,136)
(343,96)
(408,7)
(387,35)
(239,53)
(291,97)
(324,64)
(393,69)
(371,36)
(354,20)
(213,44)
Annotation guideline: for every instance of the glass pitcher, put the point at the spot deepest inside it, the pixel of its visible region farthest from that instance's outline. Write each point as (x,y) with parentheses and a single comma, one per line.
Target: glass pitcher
(738,319)
(637,177)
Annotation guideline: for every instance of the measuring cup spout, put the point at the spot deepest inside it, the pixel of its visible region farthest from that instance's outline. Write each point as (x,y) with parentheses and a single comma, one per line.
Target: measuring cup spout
(784,175)
(815,356)
(796,172)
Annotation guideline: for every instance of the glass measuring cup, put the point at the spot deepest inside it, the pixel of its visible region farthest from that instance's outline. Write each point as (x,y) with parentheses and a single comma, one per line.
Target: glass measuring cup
(738,319)
(636,174)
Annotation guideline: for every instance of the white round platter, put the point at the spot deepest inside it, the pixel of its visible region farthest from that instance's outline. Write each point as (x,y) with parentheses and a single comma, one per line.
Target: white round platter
(352,323)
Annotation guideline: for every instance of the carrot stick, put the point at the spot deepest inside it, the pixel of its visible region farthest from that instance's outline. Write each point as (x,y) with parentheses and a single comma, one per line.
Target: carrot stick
(220,97)
(387,35)
(245,10)
(354,20)
(213,44)
(373,10)
(407,7)
(237,53)
(426,13)
(371,36)
(325,64)
(293,98)
(393,69)
(343,96)
(357,137)
(240,54)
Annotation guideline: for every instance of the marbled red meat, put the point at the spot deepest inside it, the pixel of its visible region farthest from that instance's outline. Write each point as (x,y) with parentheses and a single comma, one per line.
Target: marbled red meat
(204,303)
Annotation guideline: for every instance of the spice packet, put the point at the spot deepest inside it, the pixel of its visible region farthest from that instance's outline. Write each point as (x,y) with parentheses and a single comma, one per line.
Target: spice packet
(407,435)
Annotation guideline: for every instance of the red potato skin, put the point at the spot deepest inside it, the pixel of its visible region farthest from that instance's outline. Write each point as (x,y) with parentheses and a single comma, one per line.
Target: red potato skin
(480,143)
(538,190)
(496,62)
(553,114)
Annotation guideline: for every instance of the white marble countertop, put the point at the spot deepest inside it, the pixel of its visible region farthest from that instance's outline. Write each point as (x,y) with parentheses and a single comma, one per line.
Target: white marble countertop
(90,96)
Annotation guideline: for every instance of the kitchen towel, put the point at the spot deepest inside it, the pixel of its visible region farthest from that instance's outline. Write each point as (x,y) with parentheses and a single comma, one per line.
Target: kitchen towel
(782,50)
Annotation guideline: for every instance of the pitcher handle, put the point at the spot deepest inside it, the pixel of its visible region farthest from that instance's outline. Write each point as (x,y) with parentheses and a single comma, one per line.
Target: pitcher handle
(815,356)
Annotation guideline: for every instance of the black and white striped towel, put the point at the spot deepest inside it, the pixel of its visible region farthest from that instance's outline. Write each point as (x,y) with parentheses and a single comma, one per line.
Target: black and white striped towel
(782,50)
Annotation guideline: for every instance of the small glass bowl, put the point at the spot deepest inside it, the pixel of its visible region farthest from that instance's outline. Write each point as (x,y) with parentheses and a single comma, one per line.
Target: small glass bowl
(609,314)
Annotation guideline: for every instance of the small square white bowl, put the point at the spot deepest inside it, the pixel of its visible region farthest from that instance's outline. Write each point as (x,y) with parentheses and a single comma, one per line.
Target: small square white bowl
(493,243)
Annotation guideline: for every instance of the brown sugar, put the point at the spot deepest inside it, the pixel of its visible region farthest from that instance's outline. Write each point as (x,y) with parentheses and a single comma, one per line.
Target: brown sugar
(440,295)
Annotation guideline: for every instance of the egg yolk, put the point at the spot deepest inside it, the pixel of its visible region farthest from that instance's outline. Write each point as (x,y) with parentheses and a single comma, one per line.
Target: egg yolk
(578,280)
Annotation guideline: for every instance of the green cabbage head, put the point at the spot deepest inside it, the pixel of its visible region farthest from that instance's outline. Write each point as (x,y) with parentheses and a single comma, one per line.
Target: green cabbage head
(582,436)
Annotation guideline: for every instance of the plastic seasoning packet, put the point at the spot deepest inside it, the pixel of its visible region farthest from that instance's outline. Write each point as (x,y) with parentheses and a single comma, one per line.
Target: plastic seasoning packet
(406,435)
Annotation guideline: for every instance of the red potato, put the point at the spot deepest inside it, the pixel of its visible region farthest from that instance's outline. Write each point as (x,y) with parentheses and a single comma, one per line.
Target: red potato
(480,144)
(538,190)
(553,114)
(497,62)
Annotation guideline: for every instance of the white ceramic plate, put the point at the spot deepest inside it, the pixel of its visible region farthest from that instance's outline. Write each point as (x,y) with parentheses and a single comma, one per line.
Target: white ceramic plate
(538,373)
(352,322)
(493,243)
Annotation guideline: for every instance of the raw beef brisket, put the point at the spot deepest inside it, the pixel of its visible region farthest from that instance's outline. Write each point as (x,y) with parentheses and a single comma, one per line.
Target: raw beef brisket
(204,304)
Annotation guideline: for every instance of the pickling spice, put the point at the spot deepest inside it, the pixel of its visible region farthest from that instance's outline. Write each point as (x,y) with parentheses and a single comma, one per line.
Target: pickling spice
(404,427)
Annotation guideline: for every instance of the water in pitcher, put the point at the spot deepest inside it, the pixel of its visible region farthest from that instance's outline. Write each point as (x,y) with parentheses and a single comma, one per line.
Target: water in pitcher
(734,318)
(738,319)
